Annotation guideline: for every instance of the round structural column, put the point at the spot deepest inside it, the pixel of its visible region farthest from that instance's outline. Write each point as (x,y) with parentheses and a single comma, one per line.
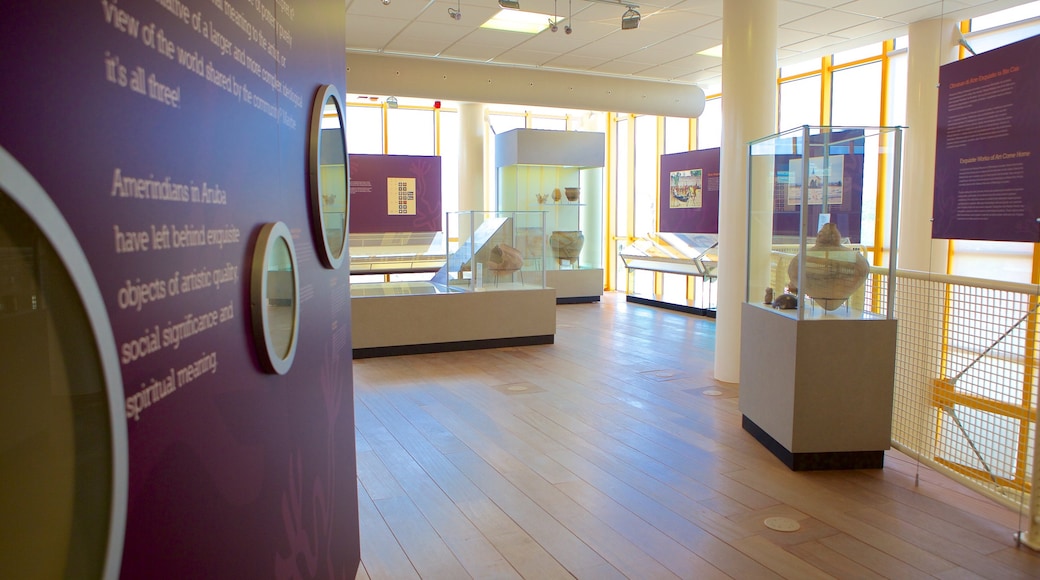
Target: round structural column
(749,31)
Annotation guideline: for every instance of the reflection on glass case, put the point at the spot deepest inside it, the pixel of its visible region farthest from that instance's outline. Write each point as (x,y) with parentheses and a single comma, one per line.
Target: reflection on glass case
(397,252)
(495,250)
(813,193)
(689,254)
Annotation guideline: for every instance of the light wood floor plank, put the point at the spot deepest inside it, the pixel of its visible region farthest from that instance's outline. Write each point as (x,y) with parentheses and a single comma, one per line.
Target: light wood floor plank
(601,456)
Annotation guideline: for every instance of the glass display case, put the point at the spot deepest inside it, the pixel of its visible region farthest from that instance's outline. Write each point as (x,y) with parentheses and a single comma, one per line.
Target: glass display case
(397,253)
(495,250)
(689,254)
(817,328)
(813,196)
(559,173)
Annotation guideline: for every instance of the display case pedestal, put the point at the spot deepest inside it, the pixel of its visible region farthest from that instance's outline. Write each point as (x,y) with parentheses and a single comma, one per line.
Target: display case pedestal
(817,392)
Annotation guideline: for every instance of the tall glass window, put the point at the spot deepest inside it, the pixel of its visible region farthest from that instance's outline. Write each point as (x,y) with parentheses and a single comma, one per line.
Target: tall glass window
(676,135)
(410,132)
(709,125)
(855,95)
(449,152)
(800,102)
(364,129)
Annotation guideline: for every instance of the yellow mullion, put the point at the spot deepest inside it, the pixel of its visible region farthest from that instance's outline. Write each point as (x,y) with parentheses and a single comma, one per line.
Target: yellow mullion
(608,203)
(386,129)
(882,179)
(825,91)
(1029,370)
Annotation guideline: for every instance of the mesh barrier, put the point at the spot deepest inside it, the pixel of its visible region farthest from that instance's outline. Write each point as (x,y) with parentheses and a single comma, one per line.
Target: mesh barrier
(965,394)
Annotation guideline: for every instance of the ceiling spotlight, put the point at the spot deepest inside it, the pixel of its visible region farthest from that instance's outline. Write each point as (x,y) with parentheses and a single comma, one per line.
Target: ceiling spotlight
(567,28)
(386,2)
(513,4)
(630,19)
(455,13)
(552,25)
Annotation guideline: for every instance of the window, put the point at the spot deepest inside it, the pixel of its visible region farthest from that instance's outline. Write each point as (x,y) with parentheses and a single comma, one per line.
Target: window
(364,129)
(800,102)
(410,132)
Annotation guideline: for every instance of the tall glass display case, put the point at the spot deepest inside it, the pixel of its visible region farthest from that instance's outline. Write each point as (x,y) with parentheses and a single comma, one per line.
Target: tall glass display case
(818,329)
(559,173)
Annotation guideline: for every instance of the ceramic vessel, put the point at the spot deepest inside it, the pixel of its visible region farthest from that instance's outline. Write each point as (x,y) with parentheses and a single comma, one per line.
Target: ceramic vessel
(557,195)
(572,193)
(566,245)
(832,271)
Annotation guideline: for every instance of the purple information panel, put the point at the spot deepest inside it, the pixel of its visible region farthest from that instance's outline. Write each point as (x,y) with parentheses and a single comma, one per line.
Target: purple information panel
(689,199)
(188,132)
(987,171)
(395,193)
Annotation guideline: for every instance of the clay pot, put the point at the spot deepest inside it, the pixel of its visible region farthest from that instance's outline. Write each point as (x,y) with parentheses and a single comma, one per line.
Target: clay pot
(556,195)
(832,271)
(572,193)
(566,245)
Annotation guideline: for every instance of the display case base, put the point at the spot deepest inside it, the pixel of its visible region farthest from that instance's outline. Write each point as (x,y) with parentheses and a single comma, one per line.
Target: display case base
(576,286)
(818,391)
(818,461)
(659,302)
(422,323)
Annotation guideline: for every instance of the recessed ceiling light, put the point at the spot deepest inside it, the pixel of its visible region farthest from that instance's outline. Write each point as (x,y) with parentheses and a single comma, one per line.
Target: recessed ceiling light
(715,51)
(518,21)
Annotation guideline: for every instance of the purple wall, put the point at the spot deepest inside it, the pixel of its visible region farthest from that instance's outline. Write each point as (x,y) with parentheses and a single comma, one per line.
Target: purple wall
(986,154)
(369,212)
(237,473)
(689,201)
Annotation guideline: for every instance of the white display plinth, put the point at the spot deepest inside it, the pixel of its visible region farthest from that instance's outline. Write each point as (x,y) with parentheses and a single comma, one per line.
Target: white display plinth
(817,392)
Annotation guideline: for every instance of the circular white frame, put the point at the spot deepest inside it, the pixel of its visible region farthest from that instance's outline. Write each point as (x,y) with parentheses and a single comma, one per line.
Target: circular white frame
(20,185)
(271,360)
(327,254)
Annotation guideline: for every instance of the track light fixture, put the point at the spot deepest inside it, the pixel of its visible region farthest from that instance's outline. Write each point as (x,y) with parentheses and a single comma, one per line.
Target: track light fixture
(555,20)
(630,19)
(456,12)
(567,27)
(386,2)
(512,4)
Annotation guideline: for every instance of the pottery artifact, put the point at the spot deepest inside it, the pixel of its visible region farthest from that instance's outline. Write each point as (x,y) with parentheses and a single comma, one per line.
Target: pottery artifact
(832,271)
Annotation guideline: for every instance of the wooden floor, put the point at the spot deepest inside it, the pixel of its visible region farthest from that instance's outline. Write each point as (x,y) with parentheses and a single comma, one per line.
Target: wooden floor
(615,454)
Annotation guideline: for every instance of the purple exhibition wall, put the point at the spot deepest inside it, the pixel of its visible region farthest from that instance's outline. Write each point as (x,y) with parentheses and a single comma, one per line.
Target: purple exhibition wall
(369,212)
(986,162)
(690,216)
(167,133)
(846,147)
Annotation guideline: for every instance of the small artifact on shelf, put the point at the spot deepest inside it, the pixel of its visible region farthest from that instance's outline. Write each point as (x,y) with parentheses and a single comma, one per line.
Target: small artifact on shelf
(566,245)
(572,193)
(832,271)
(557,195)
(541,197)
(786,301)
(769,296)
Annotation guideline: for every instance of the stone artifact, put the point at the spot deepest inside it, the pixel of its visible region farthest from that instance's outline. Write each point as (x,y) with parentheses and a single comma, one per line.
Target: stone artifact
(505,258)
(786,301)
(832,271)
(566,245)
(557,195)
(572,193)
(768,299)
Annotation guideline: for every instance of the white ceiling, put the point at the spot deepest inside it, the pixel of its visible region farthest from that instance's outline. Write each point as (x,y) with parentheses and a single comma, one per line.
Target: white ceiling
(663,48)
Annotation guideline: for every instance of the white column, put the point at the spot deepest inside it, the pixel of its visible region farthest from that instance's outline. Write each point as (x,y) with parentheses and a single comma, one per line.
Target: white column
(748,112)
(932,43)
(471,156)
